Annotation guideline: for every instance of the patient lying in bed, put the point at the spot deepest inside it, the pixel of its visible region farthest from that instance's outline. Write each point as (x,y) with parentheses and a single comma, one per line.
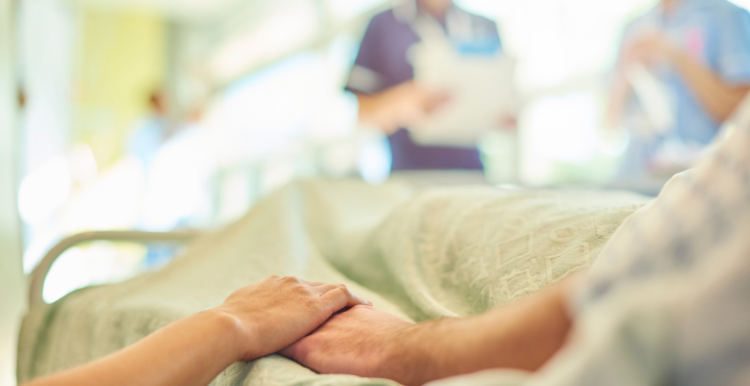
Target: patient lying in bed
(665,303)
(656,305)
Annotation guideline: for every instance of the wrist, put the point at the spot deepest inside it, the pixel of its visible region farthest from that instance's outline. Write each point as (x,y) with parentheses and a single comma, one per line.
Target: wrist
(414,355)
(230,331)
(397,355)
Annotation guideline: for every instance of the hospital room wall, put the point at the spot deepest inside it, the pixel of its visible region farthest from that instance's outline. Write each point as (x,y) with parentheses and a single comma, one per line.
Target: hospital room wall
(11,277)
(112,59)
(121,58)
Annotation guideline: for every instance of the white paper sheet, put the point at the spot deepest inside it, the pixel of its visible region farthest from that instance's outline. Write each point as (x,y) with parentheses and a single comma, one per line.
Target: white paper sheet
(480,89)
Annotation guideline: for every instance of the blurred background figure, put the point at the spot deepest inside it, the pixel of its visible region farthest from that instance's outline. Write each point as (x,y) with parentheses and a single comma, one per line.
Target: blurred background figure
(683,68)
(149,134)
(382,78)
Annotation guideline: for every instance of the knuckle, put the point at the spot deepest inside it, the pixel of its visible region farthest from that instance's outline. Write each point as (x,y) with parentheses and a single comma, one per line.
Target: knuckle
(343,288)
(304,291)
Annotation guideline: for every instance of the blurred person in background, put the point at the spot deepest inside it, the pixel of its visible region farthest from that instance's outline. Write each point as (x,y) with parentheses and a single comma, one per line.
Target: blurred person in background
(684,66)
(150,133)
(382,79)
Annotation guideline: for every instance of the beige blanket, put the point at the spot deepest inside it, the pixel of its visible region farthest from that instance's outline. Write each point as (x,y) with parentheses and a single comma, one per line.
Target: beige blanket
(420,253)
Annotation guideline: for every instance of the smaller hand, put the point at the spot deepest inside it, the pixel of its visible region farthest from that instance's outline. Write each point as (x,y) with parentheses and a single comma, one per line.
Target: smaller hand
(357,342)
(277,311)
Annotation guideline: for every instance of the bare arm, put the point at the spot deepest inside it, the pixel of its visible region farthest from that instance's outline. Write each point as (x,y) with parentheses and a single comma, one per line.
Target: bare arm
(718,97)
(255,321)
(367,342)
(192,351)
(522,335)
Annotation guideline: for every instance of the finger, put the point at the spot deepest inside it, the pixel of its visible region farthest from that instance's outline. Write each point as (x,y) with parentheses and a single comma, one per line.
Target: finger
(325,288)
(339,298)
(313,283)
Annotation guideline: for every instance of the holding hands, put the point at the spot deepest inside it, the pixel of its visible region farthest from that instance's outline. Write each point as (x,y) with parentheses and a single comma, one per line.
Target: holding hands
(302,320)
(361,341)
(277,311)
(257,320)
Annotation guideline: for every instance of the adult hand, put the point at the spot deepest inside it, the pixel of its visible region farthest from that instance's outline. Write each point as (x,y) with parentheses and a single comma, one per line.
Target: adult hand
(367,342)
(359,341)
(277,311)
(399,106)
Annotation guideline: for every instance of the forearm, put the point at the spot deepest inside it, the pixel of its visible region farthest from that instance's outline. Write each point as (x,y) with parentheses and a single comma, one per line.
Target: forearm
(256,320)
(714,94)
(192,352)
(522,335)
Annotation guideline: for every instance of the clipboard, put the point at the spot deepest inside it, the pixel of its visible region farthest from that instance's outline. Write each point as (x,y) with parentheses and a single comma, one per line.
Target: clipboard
(480,89)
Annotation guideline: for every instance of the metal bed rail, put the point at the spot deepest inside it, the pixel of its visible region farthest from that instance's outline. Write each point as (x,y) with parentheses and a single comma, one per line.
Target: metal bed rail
(39,274)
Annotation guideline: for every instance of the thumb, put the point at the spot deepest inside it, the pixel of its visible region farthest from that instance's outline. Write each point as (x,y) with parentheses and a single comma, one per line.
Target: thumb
(339,298)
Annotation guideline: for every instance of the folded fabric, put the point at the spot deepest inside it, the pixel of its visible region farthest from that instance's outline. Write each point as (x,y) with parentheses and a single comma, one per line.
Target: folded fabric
(417,253)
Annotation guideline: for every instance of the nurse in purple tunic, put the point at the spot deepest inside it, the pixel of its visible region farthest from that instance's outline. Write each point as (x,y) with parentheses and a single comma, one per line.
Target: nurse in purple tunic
(382,78)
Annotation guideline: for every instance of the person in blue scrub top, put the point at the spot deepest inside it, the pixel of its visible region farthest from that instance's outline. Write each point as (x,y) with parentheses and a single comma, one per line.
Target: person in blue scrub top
(699,52)
(382,75)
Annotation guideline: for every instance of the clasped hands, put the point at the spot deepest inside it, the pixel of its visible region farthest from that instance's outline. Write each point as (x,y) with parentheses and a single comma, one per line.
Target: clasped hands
(325,327)
(329,329)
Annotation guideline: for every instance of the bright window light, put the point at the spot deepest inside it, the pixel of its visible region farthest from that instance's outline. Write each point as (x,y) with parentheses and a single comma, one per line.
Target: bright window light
(178,180)
(97,263)
(37,248)
(741,3)
(564,128)
(83,166)
(111,203)
(44,191)
(296,101)
(286,28)
(68,273)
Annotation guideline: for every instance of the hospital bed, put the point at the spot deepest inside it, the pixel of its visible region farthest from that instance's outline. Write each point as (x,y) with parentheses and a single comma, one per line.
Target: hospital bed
(39,274)
(418,252)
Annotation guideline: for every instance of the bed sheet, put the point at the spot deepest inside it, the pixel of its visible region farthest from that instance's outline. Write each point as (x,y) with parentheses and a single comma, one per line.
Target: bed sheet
(420,253)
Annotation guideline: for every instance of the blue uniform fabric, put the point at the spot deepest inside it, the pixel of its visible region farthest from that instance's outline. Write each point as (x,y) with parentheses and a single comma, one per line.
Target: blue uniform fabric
(715,33)
(383,54)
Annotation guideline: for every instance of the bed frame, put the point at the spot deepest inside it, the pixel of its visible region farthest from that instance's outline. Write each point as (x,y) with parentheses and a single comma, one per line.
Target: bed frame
(40,272)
